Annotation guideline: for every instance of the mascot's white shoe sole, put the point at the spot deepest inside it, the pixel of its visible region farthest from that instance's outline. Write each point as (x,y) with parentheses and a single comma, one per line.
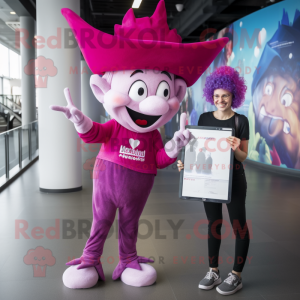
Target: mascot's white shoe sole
(146,276)
(80,279)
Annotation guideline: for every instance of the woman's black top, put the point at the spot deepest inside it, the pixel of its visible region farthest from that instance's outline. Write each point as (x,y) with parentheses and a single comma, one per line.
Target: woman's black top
(208,119)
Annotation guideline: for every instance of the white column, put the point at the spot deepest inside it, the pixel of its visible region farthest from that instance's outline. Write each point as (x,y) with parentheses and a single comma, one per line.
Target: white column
(27,51)
(92,108)
(59,157)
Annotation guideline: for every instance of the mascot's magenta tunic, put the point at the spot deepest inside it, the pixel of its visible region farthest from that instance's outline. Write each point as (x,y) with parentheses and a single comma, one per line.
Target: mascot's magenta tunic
(146,70)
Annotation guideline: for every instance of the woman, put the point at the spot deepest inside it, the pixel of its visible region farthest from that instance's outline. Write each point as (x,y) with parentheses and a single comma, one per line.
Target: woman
(226,90)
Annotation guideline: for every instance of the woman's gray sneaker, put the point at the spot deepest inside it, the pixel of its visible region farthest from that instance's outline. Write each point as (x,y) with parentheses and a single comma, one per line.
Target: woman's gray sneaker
(211,279)
(230,285)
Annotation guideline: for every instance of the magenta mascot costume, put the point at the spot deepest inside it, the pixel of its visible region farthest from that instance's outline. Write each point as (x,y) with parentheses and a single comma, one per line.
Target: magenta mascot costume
(146,70)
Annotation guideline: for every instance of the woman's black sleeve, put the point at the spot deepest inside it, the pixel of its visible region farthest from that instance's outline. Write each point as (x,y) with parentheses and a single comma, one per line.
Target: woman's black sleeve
(199,121)
(244,129)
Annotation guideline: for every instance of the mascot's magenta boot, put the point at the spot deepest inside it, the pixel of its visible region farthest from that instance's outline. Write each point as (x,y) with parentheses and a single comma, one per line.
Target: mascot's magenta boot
(80,279)
(114,187)
(145,276)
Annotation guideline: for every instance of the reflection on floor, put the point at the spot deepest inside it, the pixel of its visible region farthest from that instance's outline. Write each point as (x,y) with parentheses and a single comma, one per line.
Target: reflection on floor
(271,272)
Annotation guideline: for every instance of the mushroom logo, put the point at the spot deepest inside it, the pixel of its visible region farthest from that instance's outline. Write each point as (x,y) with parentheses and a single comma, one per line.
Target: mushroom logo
(39,258)
(42,68)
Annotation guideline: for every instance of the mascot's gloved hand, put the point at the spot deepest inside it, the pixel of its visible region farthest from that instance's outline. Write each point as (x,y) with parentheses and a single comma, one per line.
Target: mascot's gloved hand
(181,138)
(82,123)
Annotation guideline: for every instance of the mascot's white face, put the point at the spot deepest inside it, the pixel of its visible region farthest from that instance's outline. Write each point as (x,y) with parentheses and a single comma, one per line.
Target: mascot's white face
(140,100)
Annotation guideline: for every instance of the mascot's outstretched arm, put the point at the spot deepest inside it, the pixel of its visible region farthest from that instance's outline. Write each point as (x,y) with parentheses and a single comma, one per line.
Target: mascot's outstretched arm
(180,139)
(166,155)
(81,122)
(89,131)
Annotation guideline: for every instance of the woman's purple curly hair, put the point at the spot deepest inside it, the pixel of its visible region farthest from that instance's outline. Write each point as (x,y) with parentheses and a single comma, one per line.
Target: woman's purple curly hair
(226,78)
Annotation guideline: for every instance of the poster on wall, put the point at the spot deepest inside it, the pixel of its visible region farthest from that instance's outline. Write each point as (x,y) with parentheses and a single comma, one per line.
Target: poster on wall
(264,47)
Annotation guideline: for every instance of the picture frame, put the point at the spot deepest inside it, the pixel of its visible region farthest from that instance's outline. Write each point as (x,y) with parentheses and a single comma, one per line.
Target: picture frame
(199,181)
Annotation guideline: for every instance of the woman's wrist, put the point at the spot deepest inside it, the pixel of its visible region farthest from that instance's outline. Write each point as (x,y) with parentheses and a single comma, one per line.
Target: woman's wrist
(239,154)
(237,150)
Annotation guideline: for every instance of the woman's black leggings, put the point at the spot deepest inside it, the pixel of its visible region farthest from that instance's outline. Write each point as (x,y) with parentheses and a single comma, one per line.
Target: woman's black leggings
(237,213)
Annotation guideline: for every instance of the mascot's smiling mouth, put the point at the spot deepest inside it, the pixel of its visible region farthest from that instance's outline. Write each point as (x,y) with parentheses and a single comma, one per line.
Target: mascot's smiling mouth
(141,119)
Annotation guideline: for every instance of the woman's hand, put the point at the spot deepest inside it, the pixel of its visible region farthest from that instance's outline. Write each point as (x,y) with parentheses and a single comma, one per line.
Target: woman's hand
(234,142)
(180,165)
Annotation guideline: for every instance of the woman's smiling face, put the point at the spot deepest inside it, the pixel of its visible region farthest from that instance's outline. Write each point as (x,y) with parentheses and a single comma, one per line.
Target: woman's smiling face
(222,99)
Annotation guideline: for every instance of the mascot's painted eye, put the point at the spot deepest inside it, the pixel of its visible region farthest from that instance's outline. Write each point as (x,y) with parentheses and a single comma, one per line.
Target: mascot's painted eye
(163,90)
(138,91)
(287,99)
(269,89)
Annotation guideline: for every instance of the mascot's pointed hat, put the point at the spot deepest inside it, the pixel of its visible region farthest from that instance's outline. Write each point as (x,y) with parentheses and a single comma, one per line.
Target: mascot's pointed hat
(143,43)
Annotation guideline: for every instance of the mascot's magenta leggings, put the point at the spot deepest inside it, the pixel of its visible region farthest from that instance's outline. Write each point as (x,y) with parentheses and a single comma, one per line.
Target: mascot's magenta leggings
(115,186)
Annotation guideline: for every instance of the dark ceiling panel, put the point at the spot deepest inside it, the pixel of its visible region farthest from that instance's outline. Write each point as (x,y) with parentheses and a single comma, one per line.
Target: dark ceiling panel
(217,14)
(104,14)
(30,6)
(235,11)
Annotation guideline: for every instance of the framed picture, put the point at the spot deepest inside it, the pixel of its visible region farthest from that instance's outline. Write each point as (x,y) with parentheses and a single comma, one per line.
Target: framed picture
(208,165)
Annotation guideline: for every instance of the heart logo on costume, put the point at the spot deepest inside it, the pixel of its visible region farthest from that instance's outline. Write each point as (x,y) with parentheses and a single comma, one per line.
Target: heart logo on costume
(134,143)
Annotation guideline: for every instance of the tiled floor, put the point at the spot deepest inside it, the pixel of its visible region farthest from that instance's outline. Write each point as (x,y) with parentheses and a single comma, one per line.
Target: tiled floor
(271,272)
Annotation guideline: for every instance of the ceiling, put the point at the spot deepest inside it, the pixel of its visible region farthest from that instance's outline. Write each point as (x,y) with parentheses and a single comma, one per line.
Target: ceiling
(229,14)
(7,35)
(190,23)
(196,16)
(105,14)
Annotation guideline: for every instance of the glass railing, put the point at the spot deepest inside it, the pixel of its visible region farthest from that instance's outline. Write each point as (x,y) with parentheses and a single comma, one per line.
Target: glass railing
(18,147)
(12,104)
(11,101)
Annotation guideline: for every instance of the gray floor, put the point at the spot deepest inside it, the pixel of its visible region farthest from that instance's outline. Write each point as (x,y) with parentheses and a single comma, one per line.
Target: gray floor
(273,208)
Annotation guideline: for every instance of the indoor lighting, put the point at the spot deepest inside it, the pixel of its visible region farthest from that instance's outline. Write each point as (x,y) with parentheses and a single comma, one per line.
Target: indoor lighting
(12,13)
(136,3)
